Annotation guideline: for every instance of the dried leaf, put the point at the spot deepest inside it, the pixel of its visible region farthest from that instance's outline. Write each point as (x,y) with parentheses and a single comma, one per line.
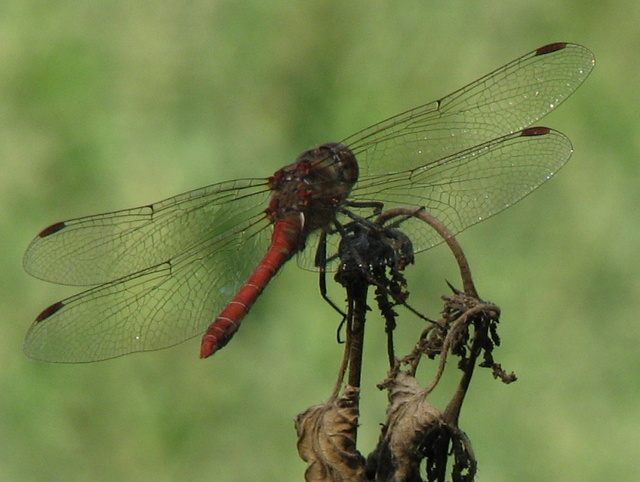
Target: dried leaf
(410,419)
(327,440)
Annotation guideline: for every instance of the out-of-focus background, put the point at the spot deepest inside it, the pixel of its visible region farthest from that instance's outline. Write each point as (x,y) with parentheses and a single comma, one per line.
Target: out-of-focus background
(108,105)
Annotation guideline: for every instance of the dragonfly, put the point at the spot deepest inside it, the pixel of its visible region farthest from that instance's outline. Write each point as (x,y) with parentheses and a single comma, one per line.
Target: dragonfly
(194,264)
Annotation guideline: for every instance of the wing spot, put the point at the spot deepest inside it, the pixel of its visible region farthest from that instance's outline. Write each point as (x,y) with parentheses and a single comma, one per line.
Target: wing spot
(49,311)
(547,49)
(54,228)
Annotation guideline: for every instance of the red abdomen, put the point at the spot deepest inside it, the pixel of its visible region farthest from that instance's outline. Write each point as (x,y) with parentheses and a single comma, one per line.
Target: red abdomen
(287,239)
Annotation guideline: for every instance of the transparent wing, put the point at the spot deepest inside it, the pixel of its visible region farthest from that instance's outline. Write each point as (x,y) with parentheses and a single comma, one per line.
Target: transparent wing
(464,157)
(473,185)
(160,305)
(502,102)
(100,248)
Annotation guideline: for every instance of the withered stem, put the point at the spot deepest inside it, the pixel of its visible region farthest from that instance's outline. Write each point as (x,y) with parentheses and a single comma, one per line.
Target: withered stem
(357,295)
(452,413)
(445,234)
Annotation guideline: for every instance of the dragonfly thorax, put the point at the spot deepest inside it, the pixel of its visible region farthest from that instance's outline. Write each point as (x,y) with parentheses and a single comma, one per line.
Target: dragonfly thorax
(314,186)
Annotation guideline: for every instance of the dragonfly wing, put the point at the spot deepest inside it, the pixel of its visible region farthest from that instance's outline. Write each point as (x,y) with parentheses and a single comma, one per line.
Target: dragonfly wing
(502,102)
(97,249)
(473,185)
(473,159)
(151,309)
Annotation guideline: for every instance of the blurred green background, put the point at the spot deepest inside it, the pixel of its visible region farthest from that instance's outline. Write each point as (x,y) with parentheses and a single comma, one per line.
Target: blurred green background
(108,105)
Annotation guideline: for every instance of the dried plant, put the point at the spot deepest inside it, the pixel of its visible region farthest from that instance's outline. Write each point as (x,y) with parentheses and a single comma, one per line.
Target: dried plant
(417,439)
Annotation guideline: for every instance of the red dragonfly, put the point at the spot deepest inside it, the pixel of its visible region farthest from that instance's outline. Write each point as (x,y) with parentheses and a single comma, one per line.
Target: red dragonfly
(160,274)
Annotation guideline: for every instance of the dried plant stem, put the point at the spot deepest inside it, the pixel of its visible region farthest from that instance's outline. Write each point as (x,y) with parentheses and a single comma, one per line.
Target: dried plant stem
(445,234)
(355,325)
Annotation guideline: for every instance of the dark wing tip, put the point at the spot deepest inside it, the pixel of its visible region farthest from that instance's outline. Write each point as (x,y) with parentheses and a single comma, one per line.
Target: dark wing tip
(535,131)
(547,49)
(54,228)
(49,311)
